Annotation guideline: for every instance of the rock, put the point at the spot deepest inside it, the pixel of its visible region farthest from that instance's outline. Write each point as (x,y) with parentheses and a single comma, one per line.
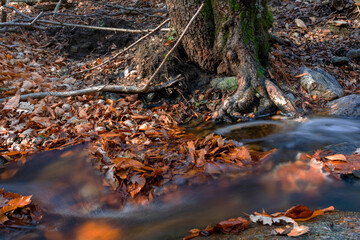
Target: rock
(348,106)
(346,148)
(320,83)
(225,84)
(353,54)
(339,61)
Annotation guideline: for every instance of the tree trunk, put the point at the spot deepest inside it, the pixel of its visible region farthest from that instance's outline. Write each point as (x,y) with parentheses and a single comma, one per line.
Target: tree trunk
(230,37)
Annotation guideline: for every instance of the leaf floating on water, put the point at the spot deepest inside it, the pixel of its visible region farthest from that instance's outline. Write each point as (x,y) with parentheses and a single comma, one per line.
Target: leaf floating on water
(10,202)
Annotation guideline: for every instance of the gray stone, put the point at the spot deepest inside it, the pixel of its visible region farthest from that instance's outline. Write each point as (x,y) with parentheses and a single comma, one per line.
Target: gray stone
(339,61)
(346,148)
(225,84)
(348,106)
(353,54)
(320,83)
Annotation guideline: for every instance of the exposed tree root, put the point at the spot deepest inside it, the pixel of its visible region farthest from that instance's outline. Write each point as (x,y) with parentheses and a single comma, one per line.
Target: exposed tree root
(101,88)
(248,100)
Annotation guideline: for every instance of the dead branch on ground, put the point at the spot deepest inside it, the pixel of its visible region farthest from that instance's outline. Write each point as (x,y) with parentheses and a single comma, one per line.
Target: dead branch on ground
(101,88)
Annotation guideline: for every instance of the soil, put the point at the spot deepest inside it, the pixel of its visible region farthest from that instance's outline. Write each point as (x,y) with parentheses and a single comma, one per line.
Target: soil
(79,43)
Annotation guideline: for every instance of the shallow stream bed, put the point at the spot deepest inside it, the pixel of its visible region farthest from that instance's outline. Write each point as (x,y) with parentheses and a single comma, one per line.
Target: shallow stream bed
(73,195)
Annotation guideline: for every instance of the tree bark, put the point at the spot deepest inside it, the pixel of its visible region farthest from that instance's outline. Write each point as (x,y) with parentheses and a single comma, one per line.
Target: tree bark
(230,38)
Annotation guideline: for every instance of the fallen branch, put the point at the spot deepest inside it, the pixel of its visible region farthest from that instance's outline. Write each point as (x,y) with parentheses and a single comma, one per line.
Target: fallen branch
(10,47)
(96,89)
(125,50)
(28,18)
(57,6)
(147,84)
(95,27)
(281,41)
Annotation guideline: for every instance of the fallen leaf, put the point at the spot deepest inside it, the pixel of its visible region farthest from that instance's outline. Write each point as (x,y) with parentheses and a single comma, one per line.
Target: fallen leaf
(340,157)
(232,225)
(12,102)
(300,23)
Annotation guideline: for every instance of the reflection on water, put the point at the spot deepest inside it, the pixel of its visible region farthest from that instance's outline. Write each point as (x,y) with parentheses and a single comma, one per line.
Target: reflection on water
(66,184)
(303,136)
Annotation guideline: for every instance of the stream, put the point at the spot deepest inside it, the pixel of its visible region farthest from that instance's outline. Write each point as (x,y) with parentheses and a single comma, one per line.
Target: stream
(65,184)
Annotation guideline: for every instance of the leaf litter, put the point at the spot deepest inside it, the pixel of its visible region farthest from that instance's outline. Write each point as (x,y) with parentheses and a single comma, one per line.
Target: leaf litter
(142,152)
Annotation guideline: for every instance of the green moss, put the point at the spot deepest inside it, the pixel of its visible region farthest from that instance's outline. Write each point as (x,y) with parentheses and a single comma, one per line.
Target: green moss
(247,19)
(235,5)
(255,29)
(207,11)
(268,20)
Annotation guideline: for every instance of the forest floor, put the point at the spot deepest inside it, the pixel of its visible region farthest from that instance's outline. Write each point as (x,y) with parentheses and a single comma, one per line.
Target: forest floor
(138,140)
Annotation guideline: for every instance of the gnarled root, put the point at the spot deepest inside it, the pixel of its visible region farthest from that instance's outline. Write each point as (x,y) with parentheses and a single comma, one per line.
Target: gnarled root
(260,101)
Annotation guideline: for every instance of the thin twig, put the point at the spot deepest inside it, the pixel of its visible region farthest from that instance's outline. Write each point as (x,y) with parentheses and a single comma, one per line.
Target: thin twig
(126,49)
(96,89)
(16,10)
(36,18)
(7,46)
(57,6)
(147,84)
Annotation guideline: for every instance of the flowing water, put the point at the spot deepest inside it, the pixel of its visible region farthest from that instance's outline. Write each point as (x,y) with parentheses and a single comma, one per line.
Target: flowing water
(70,189)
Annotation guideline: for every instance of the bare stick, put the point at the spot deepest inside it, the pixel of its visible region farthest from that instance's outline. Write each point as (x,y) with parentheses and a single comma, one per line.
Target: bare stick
(95,27)
(8,46)
(96,89)
(57,6)
(147,84)
(126,49)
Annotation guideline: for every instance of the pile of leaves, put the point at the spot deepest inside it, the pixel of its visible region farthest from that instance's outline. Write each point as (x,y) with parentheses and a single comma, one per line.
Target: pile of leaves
(236,225)
(17,210)
(339,164)
(146,153)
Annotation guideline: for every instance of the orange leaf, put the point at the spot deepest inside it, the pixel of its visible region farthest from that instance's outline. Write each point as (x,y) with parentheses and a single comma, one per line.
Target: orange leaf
(97,230)
(301,75)
(232,225)
(339,157)
(16,203)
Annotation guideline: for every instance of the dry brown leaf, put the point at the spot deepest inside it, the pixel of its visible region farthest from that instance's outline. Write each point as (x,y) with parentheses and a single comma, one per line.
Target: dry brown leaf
(12,102)
(232,225)
(300,23)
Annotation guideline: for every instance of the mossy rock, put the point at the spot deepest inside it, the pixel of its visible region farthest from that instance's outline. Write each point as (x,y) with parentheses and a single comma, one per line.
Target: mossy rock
(225,84)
